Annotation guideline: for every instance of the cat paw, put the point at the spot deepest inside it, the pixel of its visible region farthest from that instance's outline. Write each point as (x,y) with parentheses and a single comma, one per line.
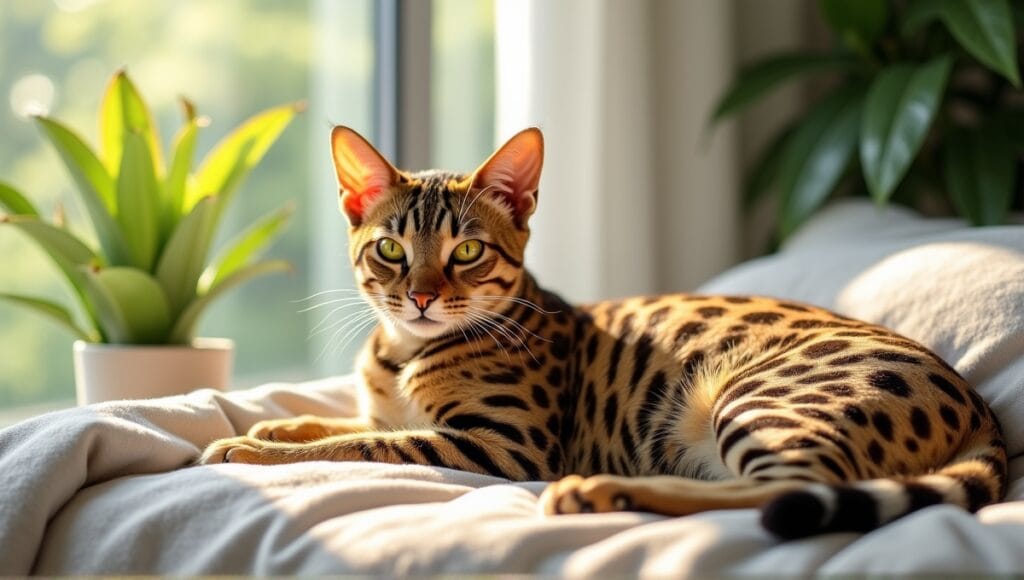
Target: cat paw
(577,495)
(233,450)
(295,430)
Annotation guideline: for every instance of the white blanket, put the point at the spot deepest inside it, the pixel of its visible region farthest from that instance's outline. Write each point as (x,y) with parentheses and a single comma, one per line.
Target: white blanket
(110,489)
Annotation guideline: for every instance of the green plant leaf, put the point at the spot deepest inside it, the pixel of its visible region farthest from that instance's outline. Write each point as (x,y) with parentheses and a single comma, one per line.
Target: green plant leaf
(131,305)
(184,328)
(985,29)
(817,154)
(858,23)
(177,174)
(68,253)
(15,202)
(53,311)
(764,175)
(245,247)
(760,78)
(979,172)
(124,111)
(901,104)
(185,254)
(138,198)
(95,187)
(234,157)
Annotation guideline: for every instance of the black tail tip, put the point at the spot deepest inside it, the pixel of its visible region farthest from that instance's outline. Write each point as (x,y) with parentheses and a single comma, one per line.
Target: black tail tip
(793,515)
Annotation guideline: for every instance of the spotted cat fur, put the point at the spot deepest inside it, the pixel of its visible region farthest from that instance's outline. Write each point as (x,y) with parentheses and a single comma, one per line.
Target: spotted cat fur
(670,404)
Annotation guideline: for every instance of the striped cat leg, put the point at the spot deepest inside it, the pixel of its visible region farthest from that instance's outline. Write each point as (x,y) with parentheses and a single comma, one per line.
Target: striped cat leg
(308,428)
(662,494)
(455,449)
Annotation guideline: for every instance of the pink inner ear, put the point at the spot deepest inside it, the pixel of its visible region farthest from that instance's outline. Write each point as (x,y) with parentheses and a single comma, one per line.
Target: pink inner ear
(362,173)
(514,171)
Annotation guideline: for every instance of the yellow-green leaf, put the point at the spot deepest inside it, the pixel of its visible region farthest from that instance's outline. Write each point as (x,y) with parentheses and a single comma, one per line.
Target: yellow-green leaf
(177,174)
(185,255)
(234,157)
(184,328)
(122,111)
(95,187)
(131,305)
(66,251)
(54,312)
(138,197)
(15,202)
(246,247)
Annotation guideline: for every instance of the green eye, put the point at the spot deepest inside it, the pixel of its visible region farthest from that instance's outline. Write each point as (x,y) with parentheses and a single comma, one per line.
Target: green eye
(390,250)
(468,251)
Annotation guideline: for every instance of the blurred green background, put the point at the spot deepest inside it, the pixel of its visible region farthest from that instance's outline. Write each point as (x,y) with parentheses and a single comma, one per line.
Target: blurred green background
(232,58)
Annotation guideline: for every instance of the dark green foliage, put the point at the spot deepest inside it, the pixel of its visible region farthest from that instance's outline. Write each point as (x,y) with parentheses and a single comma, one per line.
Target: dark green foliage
(925,106)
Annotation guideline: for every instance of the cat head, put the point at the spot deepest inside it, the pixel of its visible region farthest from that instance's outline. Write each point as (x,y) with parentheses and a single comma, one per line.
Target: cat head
(434,250)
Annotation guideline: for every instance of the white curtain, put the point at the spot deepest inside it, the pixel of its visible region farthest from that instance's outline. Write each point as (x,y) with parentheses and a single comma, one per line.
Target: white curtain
(634,198)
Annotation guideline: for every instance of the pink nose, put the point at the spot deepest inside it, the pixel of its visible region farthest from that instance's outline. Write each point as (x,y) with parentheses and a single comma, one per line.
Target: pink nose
(422,299)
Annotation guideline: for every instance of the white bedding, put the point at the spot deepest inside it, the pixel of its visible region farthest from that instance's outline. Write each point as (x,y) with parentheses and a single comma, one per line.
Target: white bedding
(110,489)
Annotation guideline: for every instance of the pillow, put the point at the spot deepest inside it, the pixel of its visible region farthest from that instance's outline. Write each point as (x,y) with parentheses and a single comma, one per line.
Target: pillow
(956,289)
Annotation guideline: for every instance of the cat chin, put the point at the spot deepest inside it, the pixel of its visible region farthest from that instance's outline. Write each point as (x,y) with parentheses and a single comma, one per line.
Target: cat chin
(424,329)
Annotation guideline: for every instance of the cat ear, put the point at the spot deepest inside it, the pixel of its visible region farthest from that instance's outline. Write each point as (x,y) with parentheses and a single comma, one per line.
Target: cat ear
(363,173)
(513,173)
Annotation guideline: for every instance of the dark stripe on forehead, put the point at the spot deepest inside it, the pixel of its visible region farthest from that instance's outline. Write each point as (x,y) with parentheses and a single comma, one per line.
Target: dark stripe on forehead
(429,201)
(448,210)
(440,219)
(402,219)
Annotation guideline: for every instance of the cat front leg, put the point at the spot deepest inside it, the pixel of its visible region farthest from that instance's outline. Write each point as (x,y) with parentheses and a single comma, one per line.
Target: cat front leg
(454,449)
(308,428)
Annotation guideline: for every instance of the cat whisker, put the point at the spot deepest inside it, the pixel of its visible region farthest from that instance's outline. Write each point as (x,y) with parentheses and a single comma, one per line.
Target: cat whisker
(508,333)
(322,292)
(347,328)
(476,335)
(354,333)
(350,319)
(488,322)
(350,299)
(462,214)
(518,300)
(459,326)
(513,321)
(481,323)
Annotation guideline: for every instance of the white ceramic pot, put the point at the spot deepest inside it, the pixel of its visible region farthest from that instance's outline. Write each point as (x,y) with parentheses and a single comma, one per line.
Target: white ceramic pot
(111,372)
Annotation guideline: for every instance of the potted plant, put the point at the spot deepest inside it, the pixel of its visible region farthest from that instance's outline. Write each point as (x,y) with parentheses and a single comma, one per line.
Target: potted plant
(926,110)
(141,290)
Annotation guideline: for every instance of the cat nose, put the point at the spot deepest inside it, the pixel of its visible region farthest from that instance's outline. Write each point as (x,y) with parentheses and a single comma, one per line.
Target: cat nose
(422,299)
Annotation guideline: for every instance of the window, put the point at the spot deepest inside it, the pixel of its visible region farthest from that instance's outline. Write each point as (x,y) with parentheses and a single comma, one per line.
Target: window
(232,58)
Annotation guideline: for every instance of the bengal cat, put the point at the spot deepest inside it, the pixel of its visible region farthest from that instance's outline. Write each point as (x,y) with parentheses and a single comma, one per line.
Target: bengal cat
(670,404)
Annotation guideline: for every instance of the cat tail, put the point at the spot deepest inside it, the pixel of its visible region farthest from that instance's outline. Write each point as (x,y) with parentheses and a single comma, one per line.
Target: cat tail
(973,478)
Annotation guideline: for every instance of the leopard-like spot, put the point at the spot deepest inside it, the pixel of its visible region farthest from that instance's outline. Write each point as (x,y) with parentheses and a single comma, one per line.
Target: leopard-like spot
(825,348)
